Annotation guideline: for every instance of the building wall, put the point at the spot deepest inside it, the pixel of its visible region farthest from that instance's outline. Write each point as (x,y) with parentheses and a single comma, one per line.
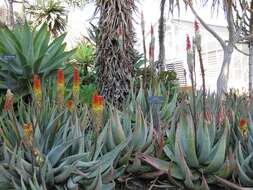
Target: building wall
(212,53)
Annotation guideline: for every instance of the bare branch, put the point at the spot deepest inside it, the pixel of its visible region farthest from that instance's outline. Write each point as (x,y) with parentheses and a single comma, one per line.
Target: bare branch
(209,29)
(240,51)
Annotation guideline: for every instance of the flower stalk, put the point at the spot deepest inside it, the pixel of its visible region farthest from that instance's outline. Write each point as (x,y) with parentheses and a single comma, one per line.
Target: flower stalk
(198,45)
(144,52)
(191,71)
(76,85)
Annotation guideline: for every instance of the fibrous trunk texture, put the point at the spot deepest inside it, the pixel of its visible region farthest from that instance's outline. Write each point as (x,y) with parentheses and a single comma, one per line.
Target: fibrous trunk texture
(115,49)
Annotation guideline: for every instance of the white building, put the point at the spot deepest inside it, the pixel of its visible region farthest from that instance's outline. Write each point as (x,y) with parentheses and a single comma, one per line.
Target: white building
(212,53)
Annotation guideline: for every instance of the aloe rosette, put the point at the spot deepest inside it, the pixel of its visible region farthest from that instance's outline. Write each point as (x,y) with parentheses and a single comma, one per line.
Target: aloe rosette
(195,155)
(121,127)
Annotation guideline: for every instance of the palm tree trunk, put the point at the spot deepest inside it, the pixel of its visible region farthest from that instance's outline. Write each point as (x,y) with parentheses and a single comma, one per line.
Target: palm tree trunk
(161,63)
(115,49)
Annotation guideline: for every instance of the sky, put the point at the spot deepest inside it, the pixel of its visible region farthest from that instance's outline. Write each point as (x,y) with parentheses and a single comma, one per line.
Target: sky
(79,18)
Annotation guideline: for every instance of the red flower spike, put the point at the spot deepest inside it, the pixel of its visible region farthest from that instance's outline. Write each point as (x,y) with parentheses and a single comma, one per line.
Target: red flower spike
(188,42)
(76,76)
(196,26)
(97,100)
(60,75)
(36,82)
(243,123)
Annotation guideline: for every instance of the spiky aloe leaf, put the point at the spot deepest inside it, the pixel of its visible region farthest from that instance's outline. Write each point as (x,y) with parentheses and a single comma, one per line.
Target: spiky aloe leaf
(140,131)
(217,155)
(163,166)
(203,141)
(168,109)
(108,159)
(56,152)
(117,128)
(187,137)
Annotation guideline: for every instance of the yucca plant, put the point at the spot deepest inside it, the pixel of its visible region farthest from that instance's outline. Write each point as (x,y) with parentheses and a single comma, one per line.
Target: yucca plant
(34,53)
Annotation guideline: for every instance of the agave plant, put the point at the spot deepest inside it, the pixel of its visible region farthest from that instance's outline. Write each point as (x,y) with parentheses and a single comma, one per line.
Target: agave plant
(34,54)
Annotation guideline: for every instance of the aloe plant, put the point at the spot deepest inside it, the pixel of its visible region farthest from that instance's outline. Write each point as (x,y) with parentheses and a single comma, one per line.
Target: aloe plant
(244,156)
(121,127)
(194,155)
(52,148)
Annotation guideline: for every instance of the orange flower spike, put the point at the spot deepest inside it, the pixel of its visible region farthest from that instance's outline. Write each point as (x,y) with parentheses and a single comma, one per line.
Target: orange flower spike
(97,110)
(76,85)
(9,100)
(60,87)
(60,78)
(97,102)
(70,105)
(243,126)
(37,89)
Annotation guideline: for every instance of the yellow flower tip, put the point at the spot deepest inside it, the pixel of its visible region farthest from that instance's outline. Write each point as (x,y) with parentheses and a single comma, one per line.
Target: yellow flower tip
(28,130)
(243,126)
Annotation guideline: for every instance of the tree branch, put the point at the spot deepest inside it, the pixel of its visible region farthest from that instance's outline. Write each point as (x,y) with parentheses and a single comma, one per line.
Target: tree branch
(230,21)
(240,51)
(221,41)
